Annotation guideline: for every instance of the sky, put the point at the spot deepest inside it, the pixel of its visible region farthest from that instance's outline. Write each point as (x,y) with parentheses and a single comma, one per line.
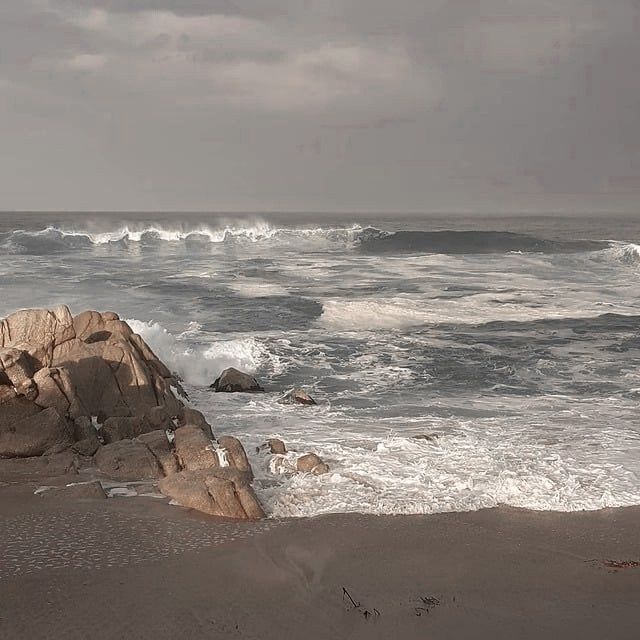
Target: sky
(320,105)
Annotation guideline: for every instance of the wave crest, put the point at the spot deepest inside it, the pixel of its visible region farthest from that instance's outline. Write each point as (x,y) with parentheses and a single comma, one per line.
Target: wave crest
(53,239)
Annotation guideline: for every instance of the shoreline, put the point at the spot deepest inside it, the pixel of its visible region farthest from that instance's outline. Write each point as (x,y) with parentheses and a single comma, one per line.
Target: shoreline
(502,572)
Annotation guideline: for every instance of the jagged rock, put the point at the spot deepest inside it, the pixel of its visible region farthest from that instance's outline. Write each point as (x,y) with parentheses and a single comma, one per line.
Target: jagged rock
(86,437)
(111,371)
(218,491)
(42,328)
(39,434)
(311,463)
(195,418)
(127,460)
(56,389)
(16,366)
(297,396)
(158,443)
(194,449)
(235,453)
(276,446)
(77,491)
(52,466)
(233,381)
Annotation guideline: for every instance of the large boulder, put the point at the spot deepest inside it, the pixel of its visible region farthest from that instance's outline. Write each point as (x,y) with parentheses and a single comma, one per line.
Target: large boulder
(221,491)
(39,434)
(194,449)
(127,460)
(110,368)
(233,381)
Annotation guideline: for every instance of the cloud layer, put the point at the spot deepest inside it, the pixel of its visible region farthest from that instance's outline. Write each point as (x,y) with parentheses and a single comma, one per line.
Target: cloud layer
(420,105)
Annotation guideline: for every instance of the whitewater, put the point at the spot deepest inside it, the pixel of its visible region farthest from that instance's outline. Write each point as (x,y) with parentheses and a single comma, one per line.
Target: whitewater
(458,362)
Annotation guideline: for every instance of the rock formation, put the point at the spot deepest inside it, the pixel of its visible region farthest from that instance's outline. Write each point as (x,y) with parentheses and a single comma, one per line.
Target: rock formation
(86,391)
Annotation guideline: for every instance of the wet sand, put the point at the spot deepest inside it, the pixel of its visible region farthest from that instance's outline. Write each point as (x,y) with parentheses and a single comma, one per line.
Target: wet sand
(139,568)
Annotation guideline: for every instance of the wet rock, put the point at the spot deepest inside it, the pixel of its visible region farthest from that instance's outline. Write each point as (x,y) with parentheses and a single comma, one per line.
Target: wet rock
(77,491)
(39,434)
(276,446)
(311,463)
(235,453)
(233,381)
(158,443)
(297,396)
(127,460)
(194,449)
(219,492)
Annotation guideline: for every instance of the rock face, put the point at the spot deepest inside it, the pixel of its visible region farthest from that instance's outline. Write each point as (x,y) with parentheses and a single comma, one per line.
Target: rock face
(297,396)
(56,369)
(233,381)
(62,376)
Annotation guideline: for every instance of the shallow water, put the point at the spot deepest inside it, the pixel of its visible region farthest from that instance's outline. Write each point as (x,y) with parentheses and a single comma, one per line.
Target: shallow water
(513,348)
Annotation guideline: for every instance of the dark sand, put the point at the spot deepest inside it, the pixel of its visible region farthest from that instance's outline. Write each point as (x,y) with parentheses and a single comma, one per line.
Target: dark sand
(138,568)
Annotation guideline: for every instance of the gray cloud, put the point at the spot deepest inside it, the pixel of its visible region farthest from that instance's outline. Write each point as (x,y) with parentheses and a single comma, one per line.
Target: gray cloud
(336,105)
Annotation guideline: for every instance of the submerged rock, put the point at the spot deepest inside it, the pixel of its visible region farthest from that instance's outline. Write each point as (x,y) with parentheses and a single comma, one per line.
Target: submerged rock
(233,381)
(276,446)
(312,463)
(297,396)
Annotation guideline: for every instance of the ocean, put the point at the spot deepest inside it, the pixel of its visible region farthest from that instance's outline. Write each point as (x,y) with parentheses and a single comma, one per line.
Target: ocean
(459,362)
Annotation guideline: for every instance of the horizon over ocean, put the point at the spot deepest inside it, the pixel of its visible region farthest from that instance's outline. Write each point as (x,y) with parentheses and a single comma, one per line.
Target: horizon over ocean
(459,361)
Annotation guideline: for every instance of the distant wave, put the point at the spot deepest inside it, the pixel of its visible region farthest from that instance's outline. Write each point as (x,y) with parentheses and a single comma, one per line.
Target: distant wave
(53,239)
(469,242)
(367,240)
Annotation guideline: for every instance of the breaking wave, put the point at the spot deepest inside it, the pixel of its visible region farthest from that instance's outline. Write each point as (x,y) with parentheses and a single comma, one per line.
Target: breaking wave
(201,364)
(53,239)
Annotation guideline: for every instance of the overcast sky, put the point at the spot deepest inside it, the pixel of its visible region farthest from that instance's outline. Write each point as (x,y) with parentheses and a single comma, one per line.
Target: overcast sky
(334,105)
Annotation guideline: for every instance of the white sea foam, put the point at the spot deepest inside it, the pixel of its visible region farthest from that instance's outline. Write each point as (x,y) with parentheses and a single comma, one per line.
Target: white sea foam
(367,314)
(251,231)
(627,253)
(201,365)
(251,288)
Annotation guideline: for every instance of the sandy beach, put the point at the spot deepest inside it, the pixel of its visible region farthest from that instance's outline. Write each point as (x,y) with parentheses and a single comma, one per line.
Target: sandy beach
(139,568)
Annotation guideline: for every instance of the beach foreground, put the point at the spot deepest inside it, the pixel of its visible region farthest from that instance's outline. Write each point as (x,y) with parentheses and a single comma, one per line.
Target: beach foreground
(139,568)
